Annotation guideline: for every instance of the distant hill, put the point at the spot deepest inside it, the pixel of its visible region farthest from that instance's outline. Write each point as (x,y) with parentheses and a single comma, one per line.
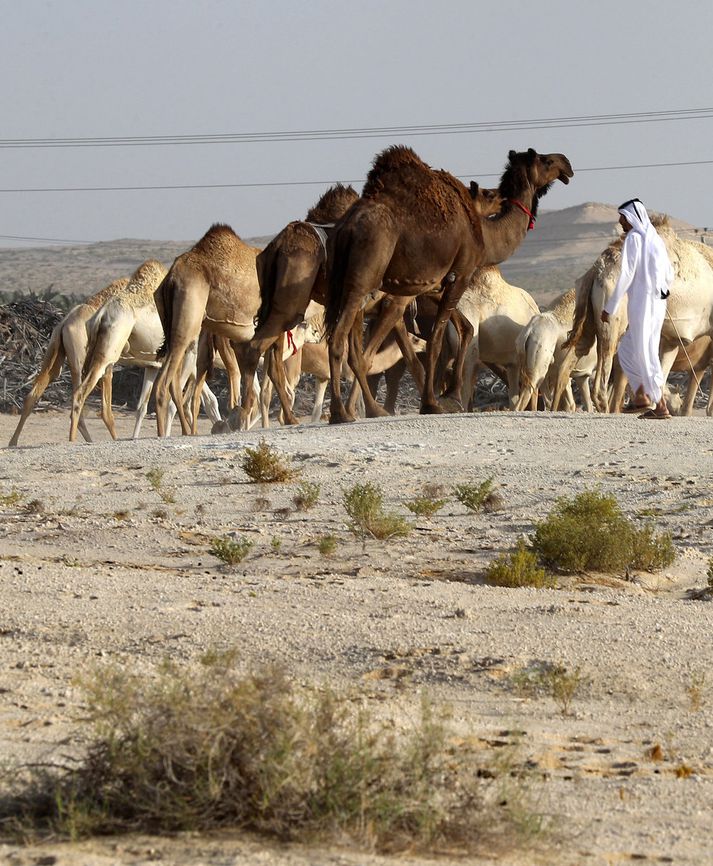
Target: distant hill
(560,249)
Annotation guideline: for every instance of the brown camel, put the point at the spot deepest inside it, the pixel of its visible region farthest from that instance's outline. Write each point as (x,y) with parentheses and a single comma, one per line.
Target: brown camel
(212,286)
(413,231)
(291,271)
(69,342)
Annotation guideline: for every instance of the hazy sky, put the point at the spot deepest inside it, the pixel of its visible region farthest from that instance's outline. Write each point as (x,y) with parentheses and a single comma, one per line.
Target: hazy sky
(139,68)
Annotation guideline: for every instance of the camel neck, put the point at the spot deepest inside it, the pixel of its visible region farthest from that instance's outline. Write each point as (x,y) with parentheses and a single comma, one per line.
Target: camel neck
(502,235)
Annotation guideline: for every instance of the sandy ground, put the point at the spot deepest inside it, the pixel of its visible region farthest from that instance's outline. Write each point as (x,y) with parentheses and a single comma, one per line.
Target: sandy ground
(102,568)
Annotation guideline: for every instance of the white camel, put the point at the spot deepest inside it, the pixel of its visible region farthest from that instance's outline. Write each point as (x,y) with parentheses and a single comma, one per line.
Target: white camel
(689,309)
(498,312)
(127,330)
(540,353)
(68,342)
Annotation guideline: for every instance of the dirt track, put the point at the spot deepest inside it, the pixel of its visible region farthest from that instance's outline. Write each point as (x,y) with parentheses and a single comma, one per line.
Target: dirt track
(106,569)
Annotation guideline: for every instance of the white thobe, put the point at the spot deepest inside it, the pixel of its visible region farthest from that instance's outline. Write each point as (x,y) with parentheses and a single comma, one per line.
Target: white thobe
(639,347)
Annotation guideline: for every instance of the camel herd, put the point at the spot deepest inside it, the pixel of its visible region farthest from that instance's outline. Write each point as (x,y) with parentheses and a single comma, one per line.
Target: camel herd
(404,276)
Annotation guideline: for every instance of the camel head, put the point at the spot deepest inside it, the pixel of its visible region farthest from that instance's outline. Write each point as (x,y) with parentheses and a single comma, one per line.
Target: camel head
(539,170)
(485,201)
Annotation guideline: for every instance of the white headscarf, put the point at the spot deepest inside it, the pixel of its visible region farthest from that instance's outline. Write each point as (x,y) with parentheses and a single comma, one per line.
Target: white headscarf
(654,256)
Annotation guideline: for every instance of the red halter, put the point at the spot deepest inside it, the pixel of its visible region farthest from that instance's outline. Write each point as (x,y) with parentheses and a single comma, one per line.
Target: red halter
(291,343)
(522,207)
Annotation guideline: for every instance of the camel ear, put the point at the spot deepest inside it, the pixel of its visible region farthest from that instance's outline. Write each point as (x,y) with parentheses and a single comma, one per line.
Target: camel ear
(474,189)
(512,155)
(531,152)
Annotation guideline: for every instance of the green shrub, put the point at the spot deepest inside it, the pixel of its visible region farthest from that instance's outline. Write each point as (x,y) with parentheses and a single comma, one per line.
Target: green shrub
(231,551)
(307,495)
(207,748)
(518,568)
(364,503)
(425,506)
(11,498)
(590,532)
(265,466)
(476,497)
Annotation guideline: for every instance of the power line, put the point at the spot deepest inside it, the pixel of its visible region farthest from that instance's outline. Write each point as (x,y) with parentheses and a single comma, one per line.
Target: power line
(365,132)
(258,184)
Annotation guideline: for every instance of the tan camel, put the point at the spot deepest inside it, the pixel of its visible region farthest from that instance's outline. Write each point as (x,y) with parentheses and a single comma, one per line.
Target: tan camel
(413,231)
(69,342)
(212,286)
(498,312)
(540,353)
(689,309)
(127,330)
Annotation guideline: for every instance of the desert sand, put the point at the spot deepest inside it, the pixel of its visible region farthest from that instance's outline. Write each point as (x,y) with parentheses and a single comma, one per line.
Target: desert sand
(100,568)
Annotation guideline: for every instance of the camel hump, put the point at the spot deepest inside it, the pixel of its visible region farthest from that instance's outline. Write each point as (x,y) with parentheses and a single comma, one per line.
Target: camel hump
(332,205)
(428,196)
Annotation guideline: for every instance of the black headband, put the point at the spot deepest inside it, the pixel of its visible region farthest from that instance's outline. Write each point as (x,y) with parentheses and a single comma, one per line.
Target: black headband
(633,201)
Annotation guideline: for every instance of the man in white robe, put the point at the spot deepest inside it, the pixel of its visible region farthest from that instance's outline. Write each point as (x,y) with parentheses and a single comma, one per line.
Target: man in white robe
(646,275)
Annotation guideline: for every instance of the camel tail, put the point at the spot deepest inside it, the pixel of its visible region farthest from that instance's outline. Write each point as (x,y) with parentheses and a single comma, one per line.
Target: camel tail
(337,266)
(583,329)
(165,293)
(522,348)
(93,339)
(268,269)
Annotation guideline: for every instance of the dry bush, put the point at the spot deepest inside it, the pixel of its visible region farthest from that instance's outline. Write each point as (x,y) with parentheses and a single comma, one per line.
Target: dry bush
(425,506)
(327,544)
(207,748)
(590,532)
(264,465)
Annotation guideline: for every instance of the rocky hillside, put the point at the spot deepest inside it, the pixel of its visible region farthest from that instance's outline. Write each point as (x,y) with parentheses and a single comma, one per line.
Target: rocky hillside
(563,245)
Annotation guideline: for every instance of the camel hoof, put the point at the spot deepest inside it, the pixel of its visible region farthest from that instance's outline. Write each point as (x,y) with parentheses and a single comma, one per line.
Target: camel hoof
(340,418)
(432,409)
(233,419)
(378,412)
(451,404)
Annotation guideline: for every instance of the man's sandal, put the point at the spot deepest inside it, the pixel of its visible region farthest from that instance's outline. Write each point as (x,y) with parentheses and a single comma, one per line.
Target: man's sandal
(653,415)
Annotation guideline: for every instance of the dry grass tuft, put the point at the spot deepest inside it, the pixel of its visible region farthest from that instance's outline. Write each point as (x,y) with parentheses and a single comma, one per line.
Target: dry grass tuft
(207,748)
(307,495)
(518,568)
(230,550)
(479,497)
(364,503)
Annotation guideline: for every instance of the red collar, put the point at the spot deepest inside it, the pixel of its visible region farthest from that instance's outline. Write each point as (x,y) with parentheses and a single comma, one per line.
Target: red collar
(522,207)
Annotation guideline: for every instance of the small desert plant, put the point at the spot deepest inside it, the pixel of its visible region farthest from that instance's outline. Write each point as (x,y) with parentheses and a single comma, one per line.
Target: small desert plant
(476,497)
(518,568)
(121,515)
(591,532)
(307,495)
(696,692)
(264,465)
(327,544)
(709,574)
(364,503)
(276,543)
(11,498)
(425,506)
(206,748)
(155,479)
(35,506)
(230,550)
(553,680)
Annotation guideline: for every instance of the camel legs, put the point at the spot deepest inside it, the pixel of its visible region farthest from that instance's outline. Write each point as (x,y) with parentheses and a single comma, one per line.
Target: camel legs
(451,295)
(107,413)
(564,372)
(392,313)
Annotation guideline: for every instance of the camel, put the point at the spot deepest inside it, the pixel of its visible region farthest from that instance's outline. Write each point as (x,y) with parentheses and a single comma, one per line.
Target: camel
(413,231)
(291,272)
(127,330)
(69,342)
(213,286)
(689,310)
(497,312)
(540,353)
